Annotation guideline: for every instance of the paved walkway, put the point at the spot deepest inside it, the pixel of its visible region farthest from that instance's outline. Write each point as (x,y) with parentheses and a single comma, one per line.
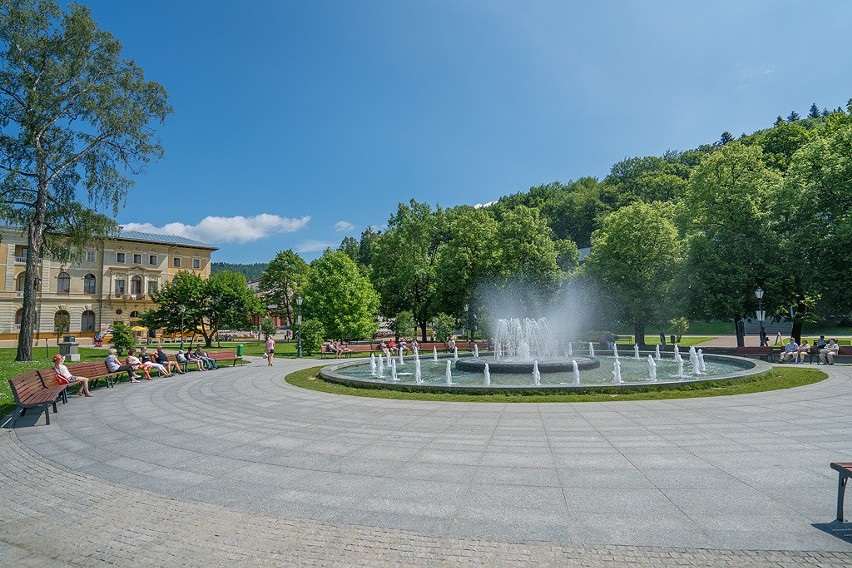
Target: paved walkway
(235,467)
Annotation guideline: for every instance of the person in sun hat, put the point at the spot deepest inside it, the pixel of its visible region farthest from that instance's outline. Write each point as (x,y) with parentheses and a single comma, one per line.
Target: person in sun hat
(61,370)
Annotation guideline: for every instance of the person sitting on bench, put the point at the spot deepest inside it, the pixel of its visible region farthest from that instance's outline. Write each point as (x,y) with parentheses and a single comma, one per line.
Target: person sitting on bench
(826,356)
(790,351)
(804,349)
(61,370)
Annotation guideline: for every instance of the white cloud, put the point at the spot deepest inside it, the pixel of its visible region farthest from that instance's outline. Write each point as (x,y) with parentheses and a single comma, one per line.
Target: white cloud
(343,226)
(489,204)
(236,229)
(313,246)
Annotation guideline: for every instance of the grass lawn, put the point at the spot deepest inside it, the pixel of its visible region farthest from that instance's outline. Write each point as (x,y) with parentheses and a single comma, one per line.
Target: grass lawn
(652,340)
(779,378)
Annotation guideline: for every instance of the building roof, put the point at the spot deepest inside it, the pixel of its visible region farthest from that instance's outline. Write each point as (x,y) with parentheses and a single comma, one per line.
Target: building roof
(162,239)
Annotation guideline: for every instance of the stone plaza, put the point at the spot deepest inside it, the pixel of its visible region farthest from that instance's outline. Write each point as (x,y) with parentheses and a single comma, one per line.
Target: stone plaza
(237,467)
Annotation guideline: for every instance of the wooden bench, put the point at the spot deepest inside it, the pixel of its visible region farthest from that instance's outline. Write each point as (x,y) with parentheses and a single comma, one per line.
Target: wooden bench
(95,371)
(844,470)
(224,356)
(766,353)
(348,350)
(31,391)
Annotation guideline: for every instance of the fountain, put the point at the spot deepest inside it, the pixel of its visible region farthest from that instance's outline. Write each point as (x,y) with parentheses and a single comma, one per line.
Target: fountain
(401,360)
(636,350)
(509,368)
(615,350)
(591,350)
(520,345)
(455,353)
(652,368)
(570,350)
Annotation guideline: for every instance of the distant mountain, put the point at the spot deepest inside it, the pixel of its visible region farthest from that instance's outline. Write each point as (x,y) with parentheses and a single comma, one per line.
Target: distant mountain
(251,271)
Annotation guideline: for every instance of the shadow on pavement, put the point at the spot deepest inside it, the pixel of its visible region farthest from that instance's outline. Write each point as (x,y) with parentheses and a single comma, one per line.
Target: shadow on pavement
(843,531)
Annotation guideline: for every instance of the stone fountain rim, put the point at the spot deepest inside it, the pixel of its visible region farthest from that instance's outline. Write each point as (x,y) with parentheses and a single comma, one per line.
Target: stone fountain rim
(751,367)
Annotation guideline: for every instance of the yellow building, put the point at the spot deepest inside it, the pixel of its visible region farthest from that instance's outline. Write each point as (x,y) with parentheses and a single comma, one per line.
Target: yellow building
(112,282)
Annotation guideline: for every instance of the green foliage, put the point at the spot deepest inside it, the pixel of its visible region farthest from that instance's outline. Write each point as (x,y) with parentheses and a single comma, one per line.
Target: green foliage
(76,117)
(443,325)
(61,324)
(250,271)
(340,297)
(679,326)
(403,324)
(267,328)
(281,282)
(404,257)
(223,301)
(635,257)
(313,333)
(122,337)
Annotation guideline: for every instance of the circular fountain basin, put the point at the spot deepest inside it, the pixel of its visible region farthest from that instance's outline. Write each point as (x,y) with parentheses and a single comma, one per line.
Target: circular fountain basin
(477,365)
(634,374)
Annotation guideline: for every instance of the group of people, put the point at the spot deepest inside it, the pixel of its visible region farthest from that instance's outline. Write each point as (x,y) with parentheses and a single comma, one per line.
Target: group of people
(160,361)
(795,353)
(402,347)
(336,347)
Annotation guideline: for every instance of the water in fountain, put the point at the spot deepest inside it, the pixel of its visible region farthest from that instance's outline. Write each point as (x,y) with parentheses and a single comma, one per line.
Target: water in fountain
(387,352)
(401,360)
(591,350)
(381,362)
(679,365)
(652,368)
(570,350)
(475,350)
(702,366)
(636,350)
(616,372)
(449,373)
(455,352)
(615,350)
(393,371)
(418,376)
(487,373)
(372,365)
(693,360)
(657,351)
(434,353)
(525,340)
(576,369)
(536,374)
(676,353)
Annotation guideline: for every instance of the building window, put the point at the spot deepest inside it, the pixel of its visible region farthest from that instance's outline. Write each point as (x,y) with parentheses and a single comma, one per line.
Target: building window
(19,282)
(89,284)
(153,260)
(136,285)
(119,287)
(90,256)
(61,322)
(196,263)
(63,283)
(119,258)
(176,262)
(137,258)
(88,321)
(134,314)
(19,316)
(152,286)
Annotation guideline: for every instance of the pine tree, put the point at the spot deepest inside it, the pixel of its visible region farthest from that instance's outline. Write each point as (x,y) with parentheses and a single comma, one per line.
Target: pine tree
(814,112)
(794,116)
(726,137)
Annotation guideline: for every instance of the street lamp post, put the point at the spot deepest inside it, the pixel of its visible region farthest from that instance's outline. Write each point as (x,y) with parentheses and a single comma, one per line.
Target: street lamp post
(182,313)
(299,323)
(761,315)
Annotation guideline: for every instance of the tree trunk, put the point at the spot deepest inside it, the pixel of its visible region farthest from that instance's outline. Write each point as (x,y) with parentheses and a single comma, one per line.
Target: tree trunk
(639,333)
(738,325)
(29,322)
(423,332)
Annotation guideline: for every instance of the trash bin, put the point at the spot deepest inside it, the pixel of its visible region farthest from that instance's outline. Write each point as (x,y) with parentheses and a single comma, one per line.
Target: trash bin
(672,339)
(239,350)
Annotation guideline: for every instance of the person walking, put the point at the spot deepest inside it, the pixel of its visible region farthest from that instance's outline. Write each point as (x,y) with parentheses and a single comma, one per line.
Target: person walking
(270,351)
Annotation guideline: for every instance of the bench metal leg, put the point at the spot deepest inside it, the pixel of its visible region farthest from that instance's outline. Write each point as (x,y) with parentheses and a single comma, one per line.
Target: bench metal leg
(841,492)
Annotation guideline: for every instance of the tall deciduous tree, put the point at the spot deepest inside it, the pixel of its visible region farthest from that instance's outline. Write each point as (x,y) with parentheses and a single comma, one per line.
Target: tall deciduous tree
(340,297)
(635,257)
(75,121)
(404,261)
(281,282)
(731,248)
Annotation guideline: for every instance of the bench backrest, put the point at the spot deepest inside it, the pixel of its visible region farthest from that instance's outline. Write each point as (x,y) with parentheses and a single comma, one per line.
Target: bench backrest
(90,369)
(222,354)
(25,385)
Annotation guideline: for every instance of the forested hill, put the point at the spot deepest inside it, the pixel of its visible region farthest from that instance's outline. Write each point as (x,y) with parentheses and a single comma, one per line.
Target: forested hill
(251,271)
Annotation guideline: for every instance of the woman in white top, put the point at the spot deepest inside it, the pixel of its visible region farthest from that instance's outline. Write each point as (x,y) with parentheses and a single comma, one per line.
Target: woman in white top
(60,369)
(134,362)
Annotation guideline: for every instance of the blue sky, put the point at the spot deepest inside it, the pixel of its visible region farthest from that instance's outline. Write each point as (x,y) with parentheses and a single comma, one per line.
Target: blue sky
(299,123)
